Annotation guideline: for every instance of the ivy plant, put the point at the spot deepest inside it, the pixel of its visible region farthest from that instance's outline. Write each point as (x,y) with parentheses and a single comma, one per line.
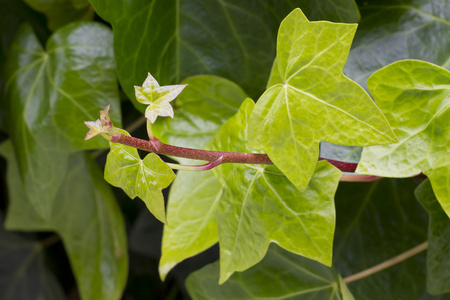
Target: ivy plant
(304,146)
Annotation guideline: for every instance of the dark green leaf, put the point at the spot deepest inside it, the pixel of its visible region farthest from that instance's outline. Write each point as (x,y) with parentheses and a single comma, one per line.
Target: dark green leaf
(12,14)
(376,222)
(438,254)
(314,101)
(176,39)
(22,214)
(415,97)
(24,273)
(350,154)
(280,275)
(392,30)
(260,205)
(344,11)
(143,178)
(88,220)
(50,93)
(205,104)
(62,12)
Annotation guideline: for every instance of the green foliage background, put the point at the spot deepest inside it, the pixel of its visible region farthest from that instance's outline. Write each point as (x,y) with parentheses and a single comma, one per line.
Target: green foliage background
(66,233)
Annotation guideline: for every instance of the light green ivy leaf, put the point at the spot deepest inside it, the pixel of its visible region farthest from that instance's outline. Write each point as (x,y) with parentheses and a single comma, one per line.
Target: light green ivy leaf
(191,218)
(86,217)
(157,97)
(280,275)
(143,178)
(415,97)
(314,101)
(261,206)
(49,95)
(206,103)
(438,252)
(393,30)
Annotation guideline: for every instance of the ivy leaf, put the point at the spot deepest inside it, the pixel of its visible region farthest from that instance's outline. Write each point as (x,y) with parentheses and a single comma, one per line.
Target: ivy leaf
(25,275)
(86,217)
(205,104)
(260,205)
(376,222)
(62,12)
(415,97)
(438,252)
(314,101)
(157,97)
(143,178)
(393,30)
(166,38)
(302,279)
(191,216)
(349,154)
(48,96)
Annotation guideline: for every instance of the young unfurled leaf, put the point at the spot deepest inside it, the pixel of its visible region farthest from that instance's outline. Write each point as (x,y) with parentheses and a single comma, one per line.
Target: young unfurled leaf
(95,128)
(261,206)
(157,97)
(102,126)
(311,100)
(143,178)
(415,97)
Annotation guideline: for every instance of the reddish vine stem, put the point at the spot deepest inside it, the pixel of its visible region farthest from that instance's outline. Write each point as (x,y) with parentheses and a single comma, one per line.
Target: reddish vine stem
(158,147)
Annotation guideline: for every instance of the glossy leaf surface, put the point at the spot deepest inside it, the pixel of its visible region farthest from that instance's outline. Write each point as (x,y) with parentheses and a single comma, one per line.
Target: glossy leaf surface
(62,12)
(438,253)
(376,222)
(25,274)
(280,275)
(88,220)
(392,30)
(260,205)
(314,101)
(177,39)
(205,104)
(191,217)
(143,178)
(415,97)
(49,94)
(351,154)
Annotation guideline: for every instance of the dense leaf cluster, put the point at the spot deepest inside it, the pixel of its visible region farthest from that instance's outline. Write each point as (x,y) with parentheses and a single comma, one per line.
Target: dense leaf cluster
(364,82)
